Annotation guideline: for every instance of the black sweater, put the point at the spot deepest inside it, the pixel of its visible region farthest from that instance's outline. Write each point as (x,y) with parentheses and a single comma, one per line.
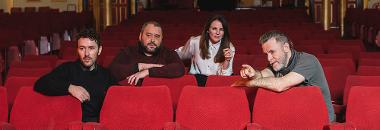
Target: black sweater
(96,82)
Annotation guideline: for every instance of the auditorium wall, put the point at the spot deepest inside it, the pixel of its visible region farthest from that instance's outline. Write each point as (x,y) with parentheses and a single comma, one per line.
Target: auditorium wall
(5,5)
(62,5)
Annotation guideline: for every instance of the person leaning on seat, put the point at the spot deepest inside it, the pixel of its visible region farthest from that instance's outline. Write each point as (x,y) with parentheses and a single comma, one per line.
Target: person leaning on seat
(84,79)
(212,52)
(287,68)
(147,58)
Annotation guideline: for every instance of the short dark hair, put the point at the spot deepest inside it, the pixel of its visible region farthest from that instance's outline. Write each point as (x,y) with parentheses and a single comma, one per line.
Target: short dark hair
(279,37)
(154,23)
(91,34)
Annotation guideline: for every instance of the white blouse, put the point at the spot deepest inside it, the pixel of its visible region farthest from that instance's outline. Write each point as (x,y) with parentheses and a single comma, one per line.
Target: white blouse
(204,66)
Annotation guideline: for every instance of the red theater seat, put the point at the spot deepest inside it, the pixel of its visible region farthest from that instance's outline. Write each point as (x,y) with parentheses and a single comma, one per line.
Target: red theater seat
(356,80)
(296,108)
(369,71)
(363,109)
(32,110)
(136,108)
(3,105)
(175,84)
(13,84)
(213,108)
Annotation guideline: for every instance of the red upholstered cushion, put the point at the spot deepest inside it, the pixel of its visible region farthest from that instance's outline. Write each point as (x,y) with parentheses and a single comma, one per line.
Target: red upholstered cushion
(296,108)
(356,80)
(136,108)
(175,84)
(363,107)
(3,105)
(36,111)
(13,84)
(213,108)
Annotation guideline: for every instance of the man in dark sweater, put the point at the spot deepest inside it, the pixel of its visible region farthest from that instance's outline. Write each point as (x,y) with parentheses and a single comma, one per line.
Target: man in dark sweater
(147,58)
(83,78)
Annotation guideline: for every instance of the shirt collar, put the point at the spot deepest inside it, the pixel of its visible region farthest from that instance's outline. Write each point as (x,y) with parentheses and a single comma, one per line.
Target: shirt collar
(216,45)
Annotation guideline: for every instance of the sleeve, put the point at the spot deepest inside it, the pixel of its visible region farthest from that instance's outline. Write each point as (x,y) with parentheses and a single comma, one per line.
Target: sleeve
(111,79)
(173,67)
(122,66)
(306,66)
(187,51)
(229,70)
(55,83)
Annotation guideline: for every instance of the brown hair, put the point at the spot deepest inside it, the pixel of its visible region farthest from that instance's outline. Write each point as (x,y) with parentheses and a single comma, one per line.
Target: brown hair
(225,41)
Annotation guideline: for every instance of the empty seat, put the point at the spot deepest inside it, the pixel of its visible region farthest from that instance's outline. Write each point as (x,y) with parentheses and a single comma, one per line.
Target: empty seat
(213,108)
(215,80)
(335,56)
(343,48)
(136,108)
(363,108)
(296,108)
(368,71)
(107,60)
(311,49)
(342,62)
(14,83)
(336,78)
(218,81)
(32,110)
(59,62)
(50,58)
(369,62)
(27,72)
(368,55)
(32,64)
(356,80)
(175,84)
(3,105)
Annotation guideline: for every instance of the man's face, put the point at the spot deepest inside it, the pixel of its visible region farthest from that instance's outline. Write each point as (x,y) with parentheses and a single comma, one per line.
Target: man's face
(216,31)
(151,38)
(276,53)
(88,52)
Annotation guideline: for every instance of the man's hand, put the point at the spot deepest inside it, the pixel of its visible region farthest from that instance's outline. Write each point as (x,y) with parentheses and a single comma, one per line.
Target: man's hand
(79,92)
(134,79)
(145,66)
(247,71)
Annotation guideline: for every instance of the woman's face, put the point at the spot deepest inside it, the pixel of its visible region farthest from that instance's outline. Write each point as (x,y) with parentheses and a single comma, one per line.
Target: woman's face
(216,31)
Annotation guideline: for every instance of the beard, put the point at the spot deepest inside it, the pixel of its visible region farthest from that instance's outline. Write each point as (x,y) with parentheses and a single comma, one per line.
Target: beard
(148,50)
(87,66)
(283,63)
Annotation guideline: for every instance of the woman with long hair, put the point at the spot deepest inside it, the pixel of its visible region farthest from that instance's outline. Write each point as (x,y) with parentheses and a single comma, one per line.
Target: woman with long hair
(212,52)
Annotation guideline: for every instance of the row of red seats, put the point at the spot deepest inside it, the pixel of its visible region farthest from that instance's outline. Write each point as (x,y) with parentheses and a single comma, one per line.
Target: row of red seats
(199,108)
(336,77)
(362,24)
(32,26)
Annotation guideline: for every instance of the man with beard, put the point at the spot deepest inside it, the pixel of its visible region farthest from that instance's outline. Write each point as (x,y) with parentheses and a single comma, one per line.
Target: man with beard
(83,79)
(147,58)
(287,68)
